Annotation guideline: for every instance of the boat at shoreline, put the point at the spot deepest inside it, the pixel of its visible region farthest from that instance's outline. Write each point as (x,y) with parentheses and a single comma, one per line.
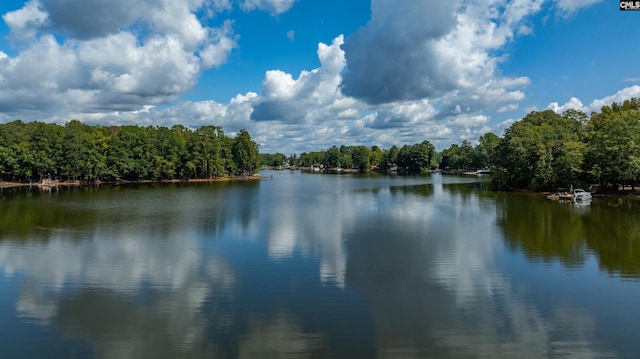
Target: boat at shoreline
(581,195)
(481,171)
(576,195)
(560,196)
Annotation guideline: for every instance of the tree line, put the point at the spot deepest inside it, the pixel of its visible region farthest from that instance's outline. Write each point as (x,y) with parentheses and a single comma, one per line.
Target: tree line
(415,158)
(544,150)
(33,151)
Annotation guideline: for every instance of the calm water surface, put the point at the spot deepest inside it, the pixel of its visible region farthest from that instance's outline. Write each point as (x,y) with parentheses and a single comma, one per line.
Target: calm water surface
(316,266)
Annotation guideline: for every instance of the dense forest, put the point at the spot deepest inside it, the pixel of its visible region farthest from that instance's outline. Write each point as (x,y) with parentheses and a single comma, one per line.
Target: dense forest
(33,151)
(544,150)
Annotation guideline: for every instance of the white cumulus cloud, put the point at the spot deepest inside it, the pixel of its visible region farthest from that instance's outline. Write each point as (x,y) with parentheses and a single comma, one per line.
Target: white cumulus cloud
(25,22)
(596,104)
(104,62)
(417,70)
(569,7)
(289,100)
(273,6)
(452,59)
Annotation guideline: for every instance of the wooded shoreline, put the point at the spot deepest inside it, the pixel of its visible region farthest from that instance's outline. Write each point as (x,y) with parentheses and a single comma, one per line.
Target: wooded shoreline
(44,184)
(541,152)
(605,193)
(36,151)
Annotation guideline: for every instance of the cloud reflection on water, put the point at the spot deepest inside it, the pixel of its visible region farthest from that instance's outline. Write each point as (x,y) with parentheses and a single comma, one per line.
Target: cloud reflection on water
(438,287)
(96,288)
(427,258)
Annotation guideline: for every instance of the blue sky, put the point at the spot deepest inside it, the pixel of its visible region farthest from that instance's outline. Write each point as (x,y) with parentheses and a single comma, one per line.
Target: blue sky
(304,75)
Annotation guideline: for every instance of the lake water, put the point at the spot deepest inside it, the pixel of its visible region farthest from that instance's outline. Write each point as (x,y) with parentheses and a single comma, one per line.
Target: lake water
(301,265)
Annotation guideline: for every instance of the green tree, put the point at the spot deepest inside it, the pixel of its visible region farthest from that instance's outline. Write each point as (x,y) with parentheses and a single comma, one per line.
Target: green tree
(97,146)
(34,150)
(417,158)
(613,150)
(332,157)
(485,151)
(181,135)
(73,149)
(311,158)
(8,163)
(245,153)
(293,160)
(376,156)
(459,157)
(43,142)
(273,159)
(130,153)
(346,157)
(390,157)
(361,157)
(543,150)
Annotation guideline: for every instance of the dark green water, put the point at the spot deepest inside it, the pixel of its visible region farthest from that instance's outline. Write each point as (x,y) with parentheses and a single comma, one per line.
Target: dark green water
(316,266)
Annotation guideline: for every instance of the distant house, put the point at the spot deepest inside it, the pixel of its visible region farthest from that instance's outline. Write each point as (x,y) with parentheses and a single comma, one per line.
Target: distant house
(316,167)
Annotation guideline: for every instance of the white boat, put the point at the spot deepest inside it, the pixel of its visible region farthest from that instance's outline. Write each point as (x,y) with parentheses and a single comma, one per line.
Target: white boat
(581,195)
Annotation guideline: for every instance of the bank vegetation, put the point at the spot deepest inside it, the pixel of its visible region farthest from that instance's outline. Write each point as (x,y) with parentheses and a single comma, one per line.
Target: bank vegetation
(35,151)
(542,151)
